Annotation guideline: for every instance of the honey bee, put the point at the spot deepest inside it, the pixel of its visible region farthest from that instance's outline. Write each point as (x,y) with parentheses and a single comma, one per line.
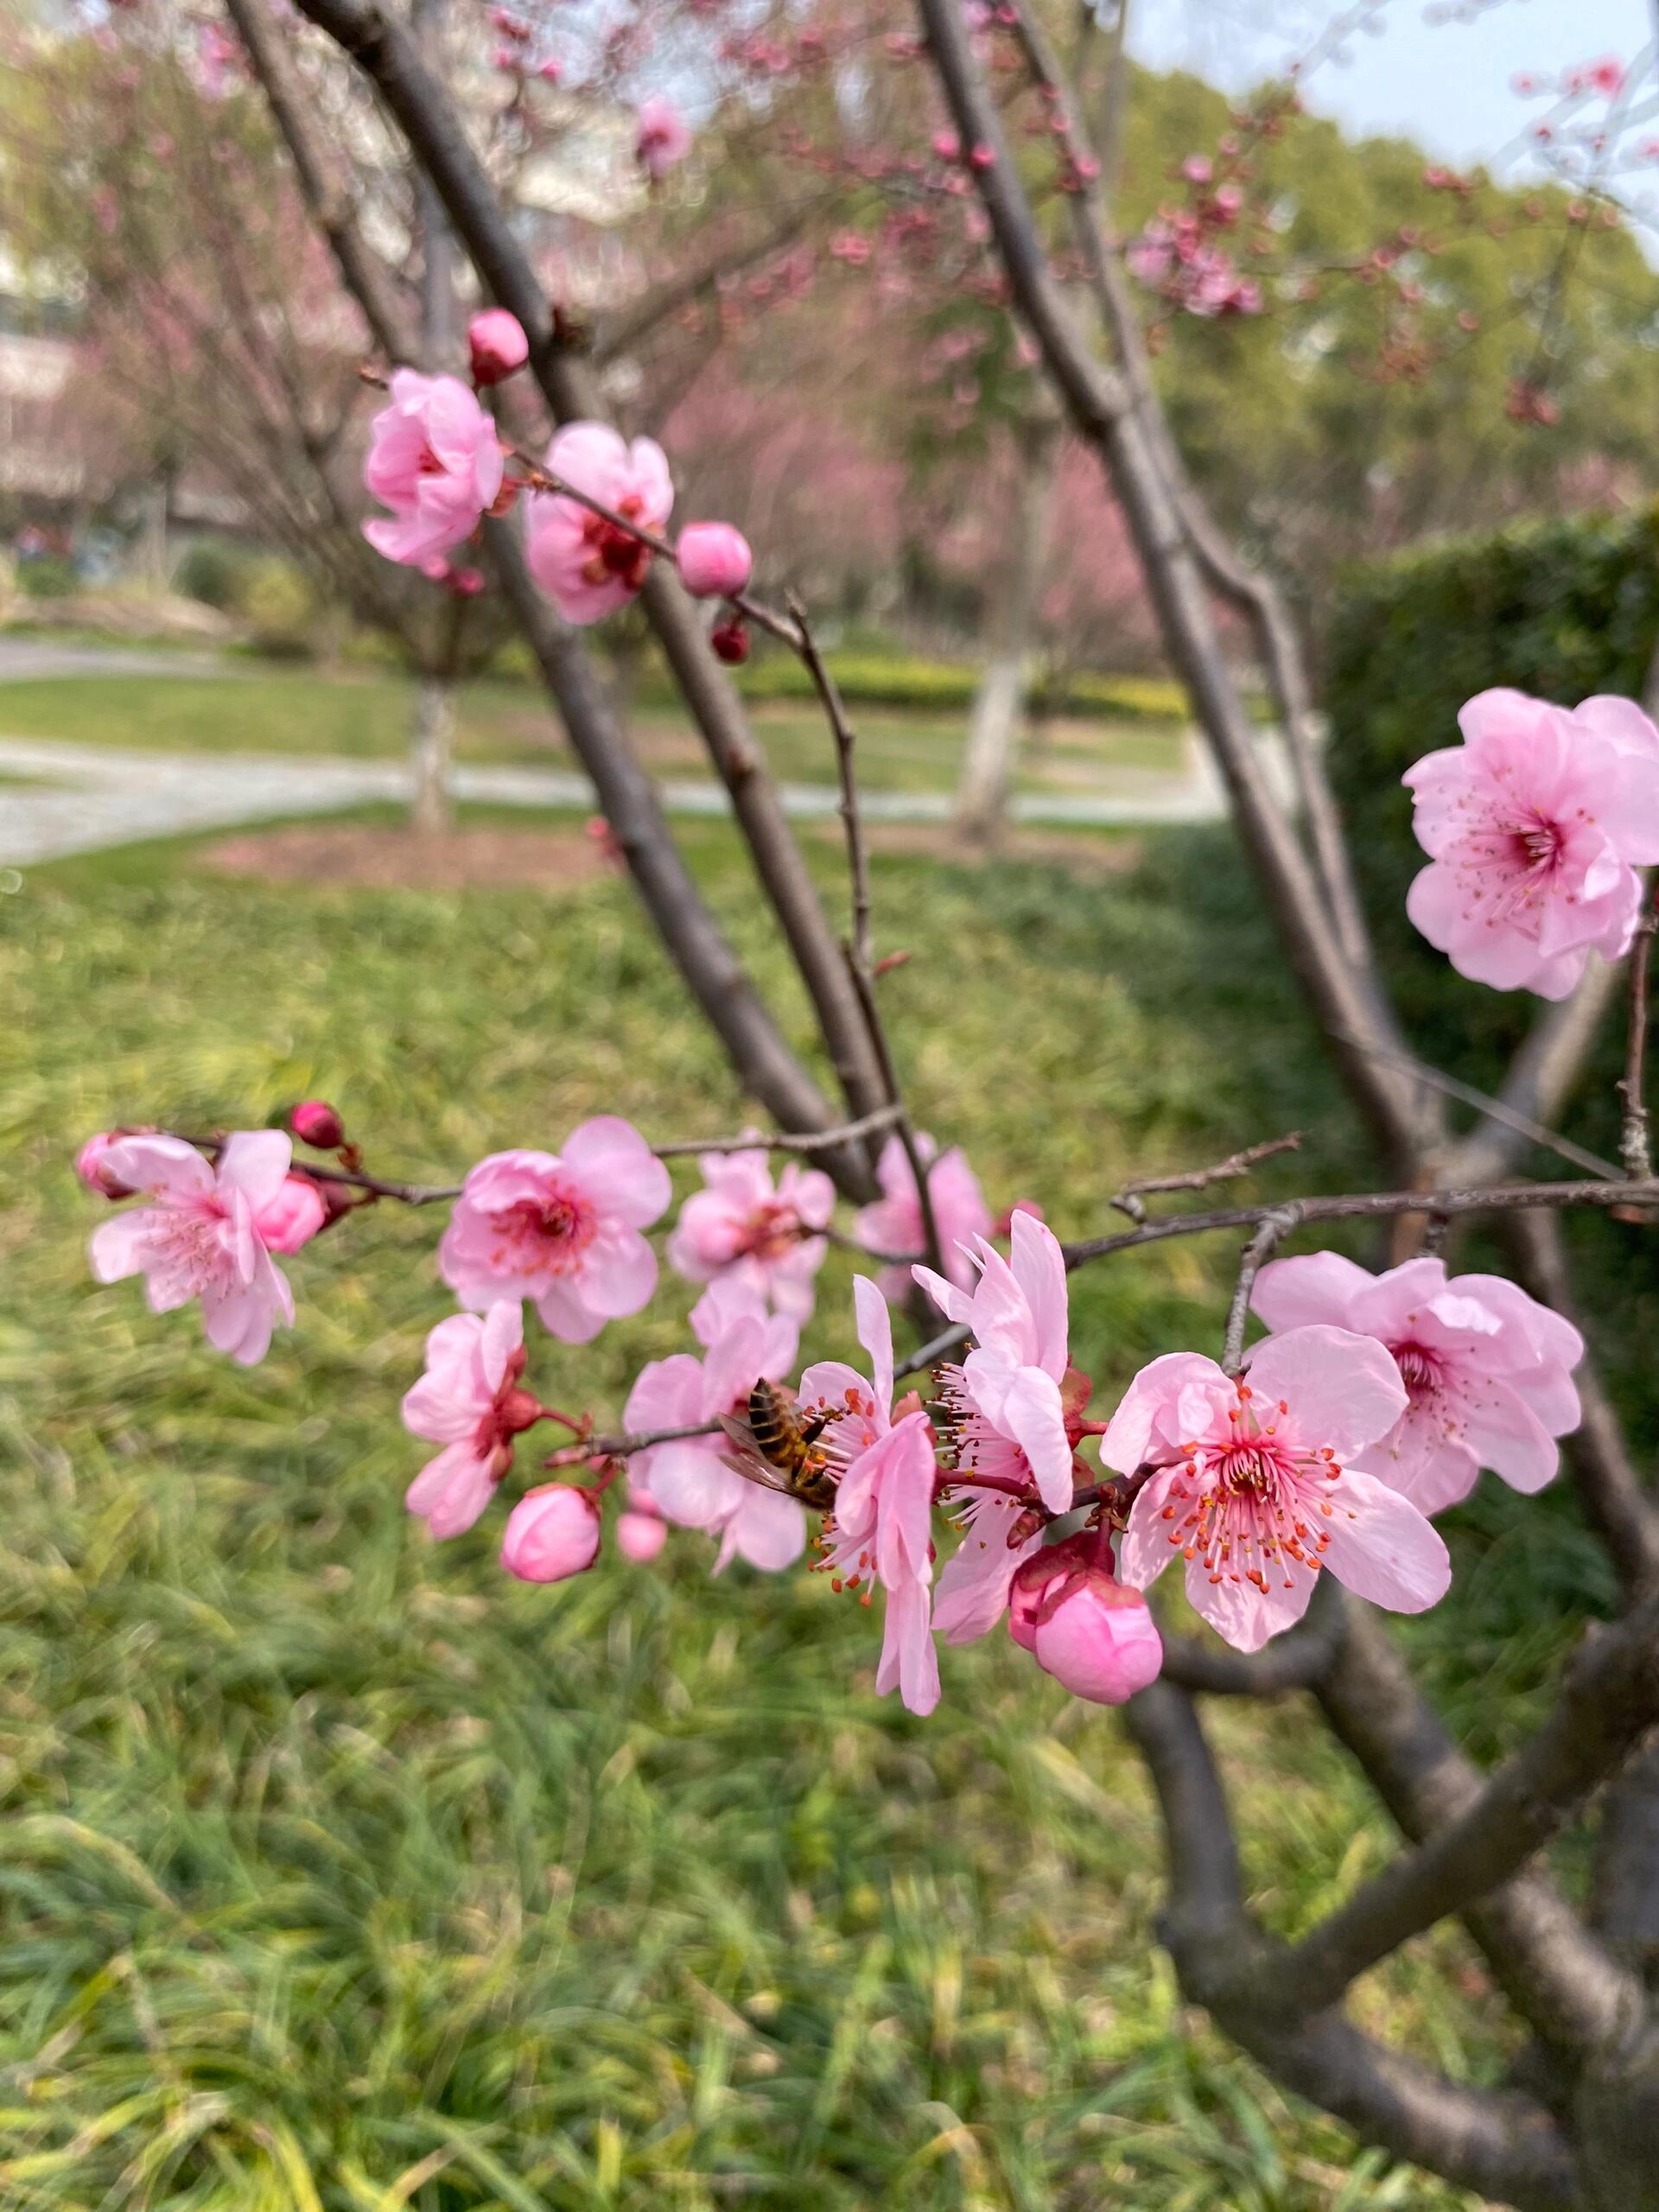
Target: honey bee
(780,1449)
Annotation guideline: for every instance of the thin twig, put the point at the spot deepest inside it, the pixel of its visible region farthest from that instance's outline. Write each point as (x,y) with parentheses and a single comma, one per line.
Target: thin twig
(791,1140)
(1493,1109)
(1127,1200)
(1369,1205)
(1270,1231)
(620,1447)
(1634,1147)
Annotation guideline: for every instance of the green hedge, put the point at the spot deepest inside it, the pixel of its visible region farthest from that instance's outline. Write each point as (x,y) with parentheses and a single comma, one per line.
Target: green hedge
(1561,609)
(944,687)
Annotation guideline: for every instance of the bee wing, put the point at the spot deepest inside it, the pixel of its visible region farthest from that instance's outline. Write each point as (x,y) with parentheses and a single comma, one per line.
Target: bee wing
(747,1458)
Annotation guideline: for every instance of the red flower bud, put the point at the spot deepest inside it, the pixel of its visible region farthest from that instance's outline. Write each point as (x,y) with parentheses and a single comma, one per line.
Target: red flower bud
(731,641)
(316,1123)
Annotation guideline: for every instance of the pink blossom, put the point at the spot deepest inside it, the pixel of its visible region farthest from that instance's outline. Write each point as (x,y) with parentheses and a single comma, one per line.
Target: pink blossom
(1487,1369)
(641,1532)
(1534,827)
(197,1237)
(664,136)
(893,1224)
(1254,1486)
(882,1526)
(716,561)
(551,1534)
(497,344)
(733,1298)
(293,1217)
(688,1480)
(435,459)
(562,1229)
(1081,1625)
(587,566)
(92,1164)
(1006,1397)
(739,1224)
(468,1400)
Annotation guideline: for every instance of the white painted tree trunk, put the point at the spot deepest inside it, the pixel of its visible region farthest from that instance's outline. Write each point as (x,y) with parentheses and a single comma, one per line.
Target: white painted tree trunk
(988,767)
(432,812)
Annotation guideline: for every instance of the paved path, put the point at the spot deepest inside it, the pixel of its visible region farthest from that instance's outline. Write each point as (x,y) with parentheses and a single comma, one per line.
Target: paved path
(25,658)
(78,798)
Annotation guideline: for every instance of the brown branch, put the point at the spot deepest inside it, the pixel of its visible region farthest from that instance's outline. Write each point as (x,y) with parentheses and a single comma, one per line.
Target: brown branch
(1101,406)
(1540,1082)
(1497,2142)
(622,1446)
(1626,1908)
(1254,592)
(1608,1701)
(1635,1147)
(380,45)
(1271,1230)
(699,949)
(1295,1661)
(1616,1501)
(1516,1200)
(843,1133)
(1555,1975)
(1495,1109)
(1127,1200)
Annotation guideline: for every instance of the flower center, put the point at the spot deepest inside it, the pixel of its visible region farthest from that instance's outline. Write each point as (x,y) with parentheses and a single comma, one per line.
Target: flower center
(1252,1505)
(546,1235)
(616,552)
(1420,1370)
(1537,844)
(770,1232)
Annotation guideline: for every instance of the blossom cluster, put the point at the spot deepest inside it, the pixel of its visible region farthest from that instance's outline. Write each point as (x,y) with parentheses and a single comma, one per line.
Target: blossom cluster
(1370,1404)
(597,506)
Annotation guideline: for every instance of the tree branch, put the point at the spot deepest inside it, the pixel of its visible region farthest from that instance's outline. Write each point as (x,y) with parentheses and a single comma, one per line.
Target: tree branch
(1618,1504)
(1554,1974)
(1102,407)
(1610,1698)
(439,144)
(1497,2142)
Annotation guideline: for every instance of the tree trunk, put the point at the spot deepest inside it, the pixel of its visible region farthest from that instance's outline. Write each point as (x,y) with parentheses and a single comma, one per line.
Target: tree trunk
(982,805)
(432,812)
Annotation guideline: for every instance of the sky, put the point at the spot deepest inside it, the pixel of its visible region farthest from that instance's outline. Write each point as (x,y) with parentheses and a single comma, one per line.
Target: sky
(1426,75)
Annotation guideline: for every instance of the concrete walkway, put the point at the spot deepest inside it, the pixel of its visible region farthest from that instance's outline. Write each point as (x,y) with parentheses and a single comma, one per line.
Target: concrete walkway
(79,799)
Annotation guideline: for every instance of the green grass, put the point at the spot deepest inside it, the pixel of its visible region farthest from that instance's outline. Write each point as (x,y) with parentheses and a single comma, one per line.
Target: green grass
(263,708)
(337,1873)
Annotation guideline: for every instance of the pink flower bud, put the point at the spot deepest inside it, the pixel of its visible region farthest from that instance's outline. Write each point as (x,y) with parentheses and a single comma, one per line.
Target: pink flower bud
(551,1534)
(714,559)
(1081,1625)
(947,146)
(498,344)
(94,1175)
(293,1217)
(316,1123)
(982,158)
(465,584)
(730,641)
(639,1535)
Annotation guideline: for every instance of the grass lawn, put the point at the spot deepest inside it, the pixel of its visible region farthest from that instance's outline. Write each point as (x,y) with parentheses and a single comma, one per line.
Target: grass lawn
(337,1873)
(261,707)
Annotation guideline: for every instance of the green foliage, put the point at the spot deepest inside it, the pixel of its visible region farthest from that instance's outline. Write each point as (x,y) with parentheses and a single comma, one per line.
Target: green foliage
(337,1873)
(1284,416)
(48,577)
(874,679)
(215,571)
(278,602)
